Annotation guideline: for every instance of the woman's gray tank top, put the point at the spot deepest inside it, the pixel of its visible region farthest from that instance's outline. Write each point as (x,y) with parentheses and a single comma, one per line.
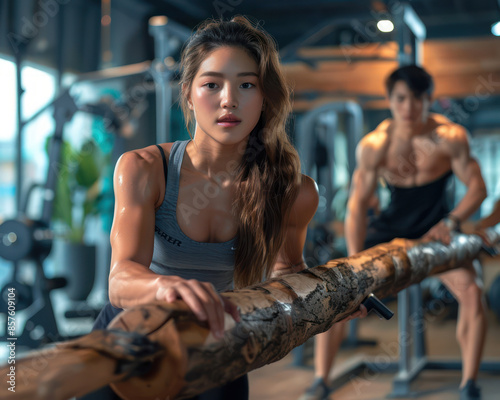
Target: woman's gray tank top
(177,254)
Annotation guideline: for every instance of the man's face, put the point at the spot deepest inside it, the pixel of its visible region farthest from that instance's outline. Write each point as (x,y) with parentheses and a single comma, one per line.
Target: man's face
(408,110)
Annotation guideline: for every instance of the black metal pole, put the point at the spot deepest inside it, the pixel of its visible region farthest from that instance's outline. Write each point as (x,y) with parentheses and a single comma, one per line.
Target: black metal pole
(168,37)
(64,109)
(19,137)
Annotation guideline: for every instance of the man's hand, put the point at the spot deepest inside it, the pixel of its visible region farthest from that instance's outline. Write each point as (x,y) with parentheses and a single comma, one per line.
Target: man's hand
(439,232)
(361,313)
(471,228)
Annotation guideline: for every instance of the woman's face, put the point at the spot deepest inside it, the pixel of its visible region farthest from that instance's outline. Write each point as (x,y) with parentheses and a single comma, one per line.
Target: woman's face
(225,96)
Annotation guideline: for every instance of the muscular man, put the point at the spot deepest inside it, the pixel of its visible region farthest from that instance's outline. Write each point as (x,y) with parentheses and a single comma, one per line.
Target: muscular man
(414,154)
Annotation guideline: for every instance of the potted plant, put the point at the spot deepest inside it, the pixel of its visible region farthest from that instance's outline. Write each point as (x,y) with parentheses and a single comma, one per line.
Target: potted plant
(77,198)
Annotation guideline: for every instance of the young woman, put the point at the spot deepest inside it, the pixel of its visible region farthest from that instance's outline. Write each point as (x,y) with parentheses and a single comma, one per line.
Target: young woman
(225,209)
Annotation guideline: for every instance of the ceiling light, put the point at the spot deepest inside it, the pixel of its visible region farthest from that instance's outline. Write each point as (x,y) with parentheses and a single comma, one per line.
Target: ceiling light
(495,28)
(385,25)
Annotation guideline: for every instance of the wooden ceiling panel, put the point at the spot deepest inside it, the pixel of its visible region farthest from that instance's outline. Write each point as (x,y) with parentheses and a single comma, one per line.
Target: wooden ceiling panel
(461,68)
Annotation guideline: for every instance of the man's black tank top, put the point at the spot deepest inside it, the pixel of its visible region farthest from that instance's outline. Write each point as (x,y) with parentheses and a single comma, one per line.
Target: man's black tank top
(412,211)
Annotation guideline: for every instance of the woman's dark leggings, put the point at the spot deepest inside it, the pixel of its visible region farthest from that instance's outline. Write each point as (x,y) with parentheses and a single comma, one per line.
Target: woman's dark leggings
(235,390)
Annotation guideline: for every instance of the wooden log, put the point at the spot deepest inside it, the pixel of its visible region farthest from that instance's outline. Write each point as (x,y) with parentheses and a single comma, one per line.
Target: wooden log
(81,366)
(277,316)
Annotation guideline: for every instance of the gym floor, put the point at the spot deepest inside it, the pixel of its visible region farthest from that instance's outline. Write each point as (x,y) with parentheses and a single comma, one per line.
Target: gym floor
(282,381)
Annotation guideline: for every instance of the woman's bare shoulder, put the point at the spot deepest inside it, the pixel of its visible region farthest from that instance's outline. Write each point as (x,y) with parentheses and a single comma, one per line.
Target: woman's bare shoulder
(144,160)
(137,171)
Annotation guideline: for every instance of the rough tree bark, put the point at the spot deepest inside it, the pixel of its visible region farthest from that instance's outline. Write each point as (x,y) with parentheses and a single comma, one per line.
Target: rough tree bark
(182,358)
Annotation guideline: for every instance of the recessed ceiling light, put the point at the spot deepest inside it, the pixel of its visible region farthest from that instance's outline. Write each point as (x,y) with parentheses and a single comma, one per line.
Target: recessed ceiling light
(495,28)
(385,25)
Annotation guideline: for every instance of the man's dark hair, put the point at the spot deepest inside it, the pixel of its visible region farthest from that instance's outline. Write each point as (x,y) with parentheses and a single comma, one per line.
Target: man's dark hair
(418,80)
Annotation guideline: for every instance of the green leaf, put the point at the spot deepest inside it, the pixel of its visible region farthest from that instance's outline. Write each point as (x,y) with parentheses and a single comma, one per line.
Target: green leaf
(87,171)
(62,206)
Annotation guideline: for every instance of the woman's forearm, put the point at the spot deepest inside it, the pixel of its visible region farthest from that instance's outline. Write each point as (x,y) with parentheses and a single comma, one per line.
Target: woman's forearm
(133,284)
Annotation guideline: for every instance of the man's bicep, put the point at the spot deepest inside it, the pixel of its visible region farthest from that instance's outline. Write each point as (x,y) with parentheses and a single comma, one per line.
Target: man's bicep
(462,164)
(468,171)
(364,177)
(364,183)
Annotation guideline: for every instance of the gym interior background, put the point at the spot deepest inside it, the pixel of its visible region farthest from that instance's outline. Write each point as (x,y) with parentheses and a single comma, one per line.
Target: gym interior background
(100,77)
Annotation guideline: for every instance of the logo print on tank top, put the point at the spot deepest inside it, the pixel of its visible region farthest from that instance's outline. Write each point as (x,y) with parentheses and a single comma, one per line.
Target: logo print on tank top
(167,237)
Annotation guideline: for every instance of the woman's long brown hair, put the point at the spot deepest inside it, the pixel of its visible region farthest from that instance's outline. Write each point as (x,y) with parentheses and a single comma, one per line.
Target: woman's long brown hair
(269,174)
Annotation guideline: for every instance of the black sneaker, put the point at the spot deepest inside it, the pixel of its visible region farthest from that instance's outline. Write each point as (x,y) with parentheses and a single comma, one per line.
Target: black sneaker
(318,391)
(470,391)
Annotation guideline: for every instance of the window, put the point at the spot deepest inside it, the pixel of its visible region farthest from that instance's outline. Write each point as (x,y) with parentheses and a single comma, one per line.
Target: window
(40,86)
